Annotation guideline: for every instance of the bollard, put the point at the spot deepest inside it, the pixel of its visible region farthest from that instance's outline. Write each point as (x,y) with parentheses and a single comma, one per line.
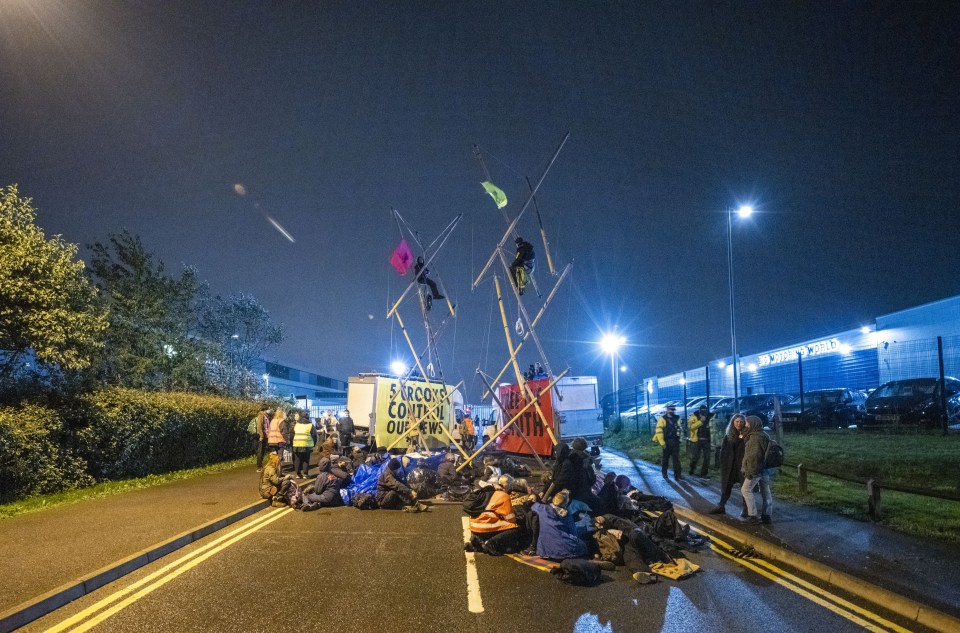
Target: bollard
(873,499)
(802,478)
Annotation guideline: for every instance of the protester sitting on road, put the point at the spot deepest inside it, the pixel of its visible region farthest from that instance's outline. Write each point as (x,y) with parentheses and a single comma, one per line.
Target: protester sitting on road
(495,530)
(553,531)
(755,474)
(270,477)
(447,473)
(392,490)
(731,461)
(637,548)
(358,455)
(608,495)
(328,447)
(331,478)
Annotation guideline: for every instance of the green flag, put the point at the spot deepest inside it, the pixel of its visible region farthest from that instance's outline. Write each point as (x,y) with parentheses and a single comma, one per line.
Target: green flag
(496,193)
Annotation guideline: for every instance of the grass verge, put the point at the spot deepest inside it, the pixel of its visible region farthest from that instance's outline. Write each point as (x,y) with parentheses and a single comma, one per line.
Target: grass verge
(107,488)
(930,462)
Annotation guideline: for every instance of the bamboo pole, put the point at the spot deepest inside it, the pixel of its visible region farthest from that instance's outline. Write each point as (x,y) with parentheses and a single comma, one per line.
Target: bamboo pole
(507,425)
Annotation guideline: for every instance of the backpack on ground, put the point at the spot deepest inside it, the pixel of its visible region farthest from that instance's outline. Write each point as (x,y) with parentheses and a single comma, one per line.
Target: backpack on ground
(668,526)
(475,503)
(609,546)
(773,458)
(364,501)
(577,571)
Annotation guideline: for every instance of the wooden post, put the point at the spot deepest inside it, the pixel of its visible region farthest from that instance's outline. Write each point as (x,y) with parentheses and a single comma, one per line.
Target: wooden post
(802,478)
(873,499)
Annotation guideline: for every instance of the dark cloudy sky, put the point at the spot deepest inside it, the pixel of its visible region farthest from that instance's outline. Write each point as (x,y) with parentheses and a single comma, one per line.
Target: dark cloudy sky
(839,121)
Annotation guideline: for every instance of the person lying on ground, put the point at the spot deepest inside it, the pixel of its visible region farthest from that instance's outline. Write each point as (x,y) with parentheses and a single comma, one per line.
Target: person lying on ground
(637,549)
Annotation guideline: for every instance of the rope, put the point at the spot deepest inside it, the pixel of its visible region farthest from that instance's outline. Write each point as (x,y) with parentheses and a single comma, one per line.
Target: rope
(502,162)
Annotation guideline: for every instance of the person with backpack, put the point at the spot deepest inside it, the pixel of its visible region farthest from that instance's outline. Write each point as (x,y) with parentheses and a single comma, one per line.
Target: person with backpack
(667,435)
(755,472)
(731,461)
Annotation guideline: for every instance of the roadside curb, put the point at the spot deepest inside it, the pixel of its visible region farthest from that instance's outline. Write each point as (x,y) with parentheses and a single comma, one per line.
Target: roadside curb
(905,607)
(27,612)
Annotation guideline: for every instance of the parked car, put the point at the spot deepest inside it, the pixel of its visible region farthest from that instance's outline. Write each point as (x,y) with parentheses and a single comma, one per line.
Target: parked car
(825,408)
(758,404)
(915,401)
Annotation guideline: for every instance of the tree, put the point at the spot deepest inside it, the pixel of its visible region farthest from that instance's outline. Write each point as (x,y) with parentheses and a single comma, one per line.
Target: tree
(240,329)
(48,308)
(152,315)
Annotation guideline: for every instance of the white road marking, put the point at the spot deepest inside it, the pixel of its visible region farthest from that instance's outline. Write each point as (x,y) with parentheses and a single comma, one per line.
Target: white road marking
(474,601)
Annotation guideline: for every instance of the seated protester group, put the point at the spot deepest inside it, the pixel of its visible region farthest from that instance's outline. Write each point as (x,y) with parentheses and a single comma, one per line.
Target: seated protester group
(574,472)
(495,530)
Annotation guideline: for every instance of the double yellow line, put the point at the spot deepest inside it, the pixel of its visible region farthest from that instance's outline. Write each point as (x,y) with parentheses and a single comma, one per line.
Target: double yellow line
(844,608)
(97,613)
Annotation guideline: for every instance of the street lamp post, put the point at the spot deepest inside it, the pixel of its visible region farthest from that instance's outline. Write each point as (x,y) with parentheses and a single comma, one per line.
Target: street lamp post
(745,211)
(611,344)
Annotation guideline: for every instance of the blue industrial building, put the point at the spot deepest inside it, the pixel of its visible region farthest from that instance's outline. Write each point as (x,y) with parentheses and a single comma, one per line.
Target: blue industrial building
(301,384)
(894,346)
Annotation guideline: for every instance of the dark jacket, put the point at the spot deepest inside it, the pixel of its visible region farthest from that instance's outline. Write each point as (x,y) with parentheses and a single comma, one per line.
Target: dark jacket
(345,425)
(326,489)
(731,459)
(572,475)
(286,430)
(447,472)
(389,481)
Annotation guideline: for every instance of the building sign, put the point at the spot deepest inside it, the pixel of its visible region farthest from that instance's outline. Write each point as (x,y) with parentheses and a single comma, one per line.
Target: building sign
(826,346)
(398,405)
(529,423)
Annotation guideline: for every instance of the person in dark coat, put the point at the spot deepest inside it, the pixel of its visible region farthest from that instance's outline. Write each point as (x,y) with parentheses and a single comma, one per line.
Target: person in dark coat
(608,495)
(345,427)
(577,475)
(393,493)
(447,471)
(331,478)
(731,460)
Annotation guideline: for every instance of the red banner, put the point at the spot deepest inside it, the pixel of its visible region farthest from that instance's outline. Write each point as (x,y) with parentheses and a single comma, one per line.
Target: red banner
(529,422)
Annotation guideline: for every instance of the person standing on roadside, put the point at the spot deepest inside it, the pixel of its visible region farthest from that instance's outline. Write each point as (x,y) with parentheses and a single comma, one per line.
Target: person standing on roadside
(274,436)
(755,473)
(263,425)
(731,461)
(304,439)
(667,435)
(345,429)
(699,427)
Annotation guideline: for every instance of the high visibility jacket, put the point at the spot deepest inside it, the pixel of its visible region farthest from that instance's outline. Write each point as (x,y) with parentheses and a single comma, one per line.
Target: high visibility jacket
(274,436)
(467,427)
(667,432)
(699,429)
(303,435)
(497,517)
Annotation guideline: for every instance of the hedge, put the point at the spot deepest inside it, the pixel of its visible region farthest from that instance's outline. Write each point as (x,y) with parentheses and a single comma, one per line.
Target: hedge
(116,434)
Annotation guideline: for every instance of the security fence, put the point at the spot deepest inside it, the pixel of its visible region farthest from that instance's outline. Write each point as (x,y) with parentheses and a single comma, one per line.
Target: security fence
(856,359)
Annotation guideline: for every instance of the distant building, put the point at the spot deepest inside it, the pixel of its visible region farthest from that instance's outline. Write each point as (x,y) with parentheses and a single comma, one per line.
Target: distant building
(301,384)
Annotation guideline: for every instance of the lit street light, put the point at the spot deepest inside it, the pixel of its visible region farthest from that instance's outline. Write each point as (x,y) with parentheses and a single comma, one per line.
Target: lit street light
(611,344)
(745,211)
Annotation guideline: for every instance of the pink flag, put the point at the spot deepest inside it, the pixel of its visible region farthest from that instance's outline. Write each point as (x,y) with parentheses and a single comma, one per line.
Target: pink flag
(401,258)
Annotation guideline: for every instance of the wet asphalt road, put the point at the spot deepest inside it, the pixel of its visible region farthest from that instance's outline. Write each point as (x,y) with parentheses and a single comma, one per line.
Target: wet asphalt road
(347,570)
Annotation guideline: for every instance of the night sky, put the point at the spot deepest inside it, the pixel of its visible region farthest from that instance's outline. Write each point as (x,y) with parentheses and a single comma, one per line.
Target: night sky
(838,121)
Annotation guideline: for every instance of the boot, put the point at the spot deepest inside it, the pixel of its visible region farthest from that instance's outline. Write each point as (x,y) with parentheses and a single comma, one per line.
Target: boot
(717,510)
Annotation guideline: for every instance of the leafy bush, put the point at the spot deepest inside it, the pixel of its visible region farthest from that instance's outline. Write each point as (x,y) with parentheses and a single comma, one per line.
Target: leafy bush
(128,433)
(34,458)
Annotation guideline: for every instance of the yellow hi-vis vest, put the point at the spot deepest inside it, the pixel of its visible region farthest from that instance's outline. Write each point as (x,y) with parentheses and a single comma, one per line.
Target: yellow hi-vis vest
(301,435)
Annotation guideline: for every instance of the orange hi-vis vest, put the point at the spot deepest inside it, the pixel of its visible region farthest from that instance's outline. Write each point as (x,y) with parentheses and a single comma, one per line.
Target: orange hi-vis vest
(497,517)
(273,435)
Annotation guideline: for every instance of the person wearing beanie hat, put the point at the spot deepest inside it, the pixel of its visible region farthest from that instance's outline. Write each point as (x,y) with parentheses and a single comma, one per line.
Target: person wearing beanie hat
(579,444)
(392,490)
(755,473)
(576,475)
